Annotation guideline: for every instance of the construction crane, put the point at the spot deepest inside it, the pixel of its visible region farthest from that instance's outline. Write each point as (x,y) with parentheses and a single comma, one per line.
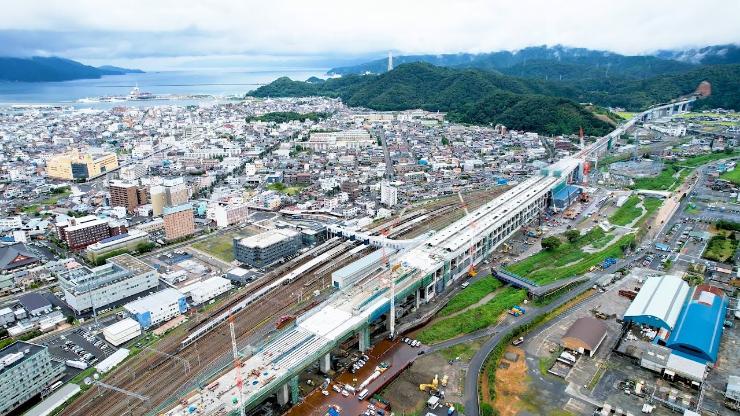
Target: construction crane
(472,272)
(237,366)
(390,270)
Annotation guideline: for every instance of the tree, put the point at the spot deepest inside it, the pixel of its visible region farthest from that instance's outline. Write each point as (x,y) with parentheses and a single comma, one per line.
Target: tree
(70,319)
(551,243)
(572,235)
(445,141)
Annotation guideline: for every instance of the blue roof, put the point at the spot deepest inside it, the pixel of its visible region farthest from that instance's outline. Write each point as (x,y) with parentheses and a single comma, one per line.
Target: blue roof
(114,238)
(566,192)
(698,331)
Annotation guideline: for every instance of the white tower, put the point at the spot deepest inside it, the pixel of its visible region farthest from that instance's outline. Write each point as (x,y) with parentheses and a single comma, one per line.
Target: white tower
(390,61)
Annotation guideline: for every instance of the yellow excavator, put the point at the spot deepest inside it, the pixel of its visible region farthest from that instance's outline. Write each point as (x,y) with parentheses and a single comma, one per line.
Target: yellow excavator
(433,386)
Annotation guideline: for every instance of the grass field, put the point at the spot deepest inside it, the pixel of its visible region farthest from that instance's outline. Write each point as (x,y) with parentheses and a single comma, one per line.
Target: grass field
(721,247)
(625,114)
(284,189)
(732,176)
(628,212)
(666,180)
(569,260)
(220,246)
(473,319)
(470,295)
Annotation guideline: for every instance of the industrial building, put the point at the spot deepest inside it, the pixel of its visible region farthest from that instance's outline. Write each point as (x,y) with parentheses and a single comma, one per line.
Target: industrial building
(179,221)
(122,331)
(157,308)
(266,248)
(659,302)
(25,371)
(78,165)
(122,276)
(203,291)
(585,335)
(698,330)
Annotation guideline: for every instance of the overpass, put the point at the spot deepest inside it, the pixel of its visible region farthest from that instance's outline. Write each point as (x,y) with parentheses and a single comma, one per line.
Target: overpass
(534,289)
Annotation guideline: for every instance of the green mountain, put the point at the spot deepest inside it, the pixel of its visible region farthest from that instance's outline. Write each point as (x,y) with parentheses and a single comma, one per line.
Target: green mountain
(553,63)
(640,94)
(41,69)
(467,95)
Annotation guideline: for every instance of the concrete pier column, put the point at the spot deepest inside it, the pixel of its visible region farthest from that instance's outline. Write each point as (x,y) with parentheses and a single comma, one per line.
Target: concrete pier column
(417,299)
(325,363)
(364,338)
(283,395)
(294,392)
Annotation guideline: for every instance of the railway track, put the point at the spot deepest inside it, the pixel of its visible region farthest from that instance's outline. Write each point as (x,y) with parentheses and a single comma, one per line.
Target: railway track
(159,376)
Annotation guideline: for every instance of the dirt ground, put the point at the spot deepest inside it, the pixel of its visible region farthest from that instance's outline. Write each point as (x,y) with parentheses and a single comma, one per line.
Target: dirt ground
(511,384)
(404,394)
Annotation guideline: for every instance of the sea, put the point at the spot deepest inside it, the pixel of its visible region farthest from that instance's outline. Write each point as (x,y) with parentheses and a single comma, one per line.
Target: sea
(210,85)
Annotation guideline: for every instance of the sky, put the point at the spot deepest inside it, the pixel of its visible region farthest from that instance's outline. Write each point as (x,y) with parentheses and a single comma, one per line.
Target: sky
(169,34)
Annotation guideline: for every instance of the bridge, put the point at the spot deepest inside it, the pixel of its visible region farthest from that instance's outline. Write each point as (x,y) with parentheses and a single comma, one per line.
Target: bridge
(604,144)
(423,268)
(534,289)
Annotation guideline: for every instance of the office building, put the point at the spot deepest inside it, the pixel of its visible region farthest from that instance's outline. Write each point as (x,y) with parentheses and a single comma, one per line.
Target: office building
(79,165)
(25,371)
(388,194)
(179,221)
(121,277)
(157,308)
(266,248)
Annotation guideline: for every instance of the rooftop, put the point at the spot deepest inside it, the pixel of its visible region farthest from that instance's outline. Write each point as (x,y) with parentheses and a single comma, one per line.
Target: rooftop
(268,238)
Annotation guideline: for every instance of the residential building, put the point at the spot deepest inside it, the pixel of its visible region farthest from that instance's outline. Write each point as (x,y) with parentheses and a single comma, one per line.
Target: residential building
(388,194)
(179,221)
(266,248)
(35,304)
(26,369)
(78,165)
(171,193)
(347,139)
(127,195)
(226,215)
(121,277)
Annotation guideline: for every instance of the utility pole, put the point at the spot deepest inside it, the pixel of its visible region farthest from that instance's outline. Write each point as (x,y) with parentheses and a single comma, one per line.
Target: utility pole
(237,366)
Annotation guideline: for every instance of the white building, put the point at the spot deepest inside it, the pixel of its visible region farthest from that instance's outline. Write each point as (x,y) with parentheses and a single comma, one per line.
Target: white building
(208,289)
(348,139)
(122,276)
(388,194)
(132,172)
(226,215)
(122,331)
(157,308)
(11,223)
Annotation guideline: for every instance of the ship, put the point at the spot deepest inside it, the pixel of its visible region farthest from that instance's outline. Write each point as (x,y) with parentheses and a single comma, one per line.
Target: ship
(137,94)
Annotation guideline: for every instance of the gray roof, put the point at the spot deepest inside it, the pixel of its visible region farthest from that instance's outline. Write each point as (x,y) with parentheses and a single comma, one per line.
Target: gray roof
(33,301)
(587,329)
(11,252)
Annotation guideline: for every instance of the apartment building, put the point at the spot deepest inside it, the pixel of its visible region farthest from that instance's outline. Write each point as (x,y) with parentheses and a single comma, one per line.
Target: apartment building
(179,221)
(26,369)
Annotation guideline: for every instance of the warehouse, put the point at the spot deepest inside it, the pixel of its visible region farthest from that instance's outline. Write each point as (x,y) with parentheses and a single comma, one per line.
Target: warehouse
(659,302)
(698,331)
(208,289)
(585,335)
(157,308)
(122,331)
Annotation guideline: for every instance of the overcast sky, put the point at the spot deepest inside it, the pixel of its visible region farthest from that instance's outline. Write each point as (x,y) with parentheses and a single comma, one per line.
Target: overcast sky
(160,34)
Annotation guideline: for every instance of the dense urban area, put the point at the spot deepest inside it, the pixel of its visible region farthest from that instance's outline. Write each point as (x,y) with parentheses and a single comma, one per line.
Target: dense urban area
(296,255)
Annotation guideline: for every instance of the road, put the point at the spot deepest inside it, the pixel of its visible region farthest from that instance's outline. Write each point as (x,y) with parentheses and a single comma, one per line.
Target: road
(476,363)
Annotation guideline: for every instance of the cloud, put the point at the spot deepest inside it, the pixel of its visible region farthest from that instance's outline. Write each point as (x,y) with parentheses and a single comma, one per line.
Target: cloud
(171,30)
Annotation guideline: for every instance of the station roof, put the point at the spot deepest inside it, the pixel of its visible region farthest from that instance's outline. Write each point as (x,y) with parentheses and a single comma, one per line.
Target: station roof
(698,330)
(659,301)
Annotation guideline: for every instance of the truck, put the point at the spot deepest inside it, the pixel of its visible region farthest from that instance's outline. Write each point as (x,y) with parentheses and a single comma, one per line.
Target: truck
(80,365)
